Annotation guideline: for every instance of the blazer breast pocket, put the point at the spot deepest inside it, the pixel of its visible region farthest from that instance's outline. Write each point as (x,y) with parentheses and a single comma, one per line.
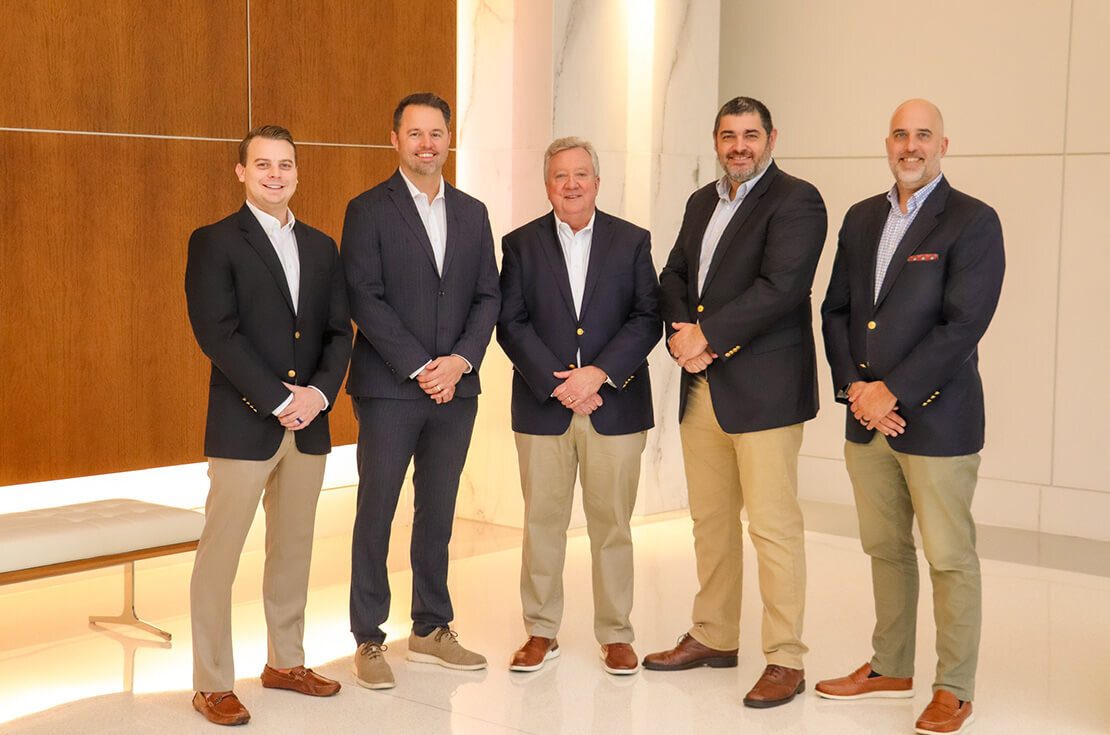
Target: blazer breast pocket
(923,258)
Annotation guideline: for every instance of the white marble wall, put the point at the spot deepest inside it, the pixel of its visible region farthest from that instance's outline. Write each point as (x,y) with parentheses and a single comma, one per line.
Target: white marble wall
(1027,135)
(638,79)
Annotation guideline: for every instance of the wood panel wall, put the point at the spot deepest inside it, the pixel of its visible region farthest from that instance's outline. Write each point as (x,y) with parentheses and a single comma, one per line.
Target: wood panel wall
(118,137)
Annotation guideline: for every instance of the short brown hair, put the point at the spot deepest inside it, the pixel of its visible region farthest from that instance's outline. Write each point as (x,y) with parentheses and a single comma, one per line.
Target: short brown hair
(427,99)
(271,132)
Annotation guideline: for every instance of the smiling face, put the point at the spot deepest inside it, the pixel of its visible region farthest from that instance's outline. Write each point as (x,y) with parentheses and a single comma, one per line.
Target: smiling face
(915,145)
(743,147)
(421,140)
(269,176)
(572,186)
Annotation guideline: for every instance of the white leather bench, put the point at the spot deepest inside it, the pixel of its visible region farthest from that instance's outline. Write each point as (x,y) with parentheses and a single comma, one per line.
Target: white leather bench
(75,538)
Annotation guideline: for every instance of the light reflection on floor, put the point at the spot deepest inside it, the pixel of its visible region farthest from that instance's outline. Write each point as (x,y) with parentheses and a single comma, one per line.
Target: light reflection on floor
(1043,665)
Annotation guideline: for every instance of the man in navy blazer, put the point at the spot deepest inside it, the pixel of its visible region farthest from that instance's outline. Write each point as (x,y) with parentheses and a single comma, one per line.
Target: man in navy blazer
(916,281)
(579,315)
(736,301)
(268,307)
(422,279)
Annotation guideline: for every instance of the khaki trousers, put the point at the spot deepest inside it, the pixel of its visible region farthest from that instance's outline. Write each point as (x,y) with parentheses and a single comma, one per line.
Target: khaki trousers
(724,474)
(891,488)
(609,468)
(291,481)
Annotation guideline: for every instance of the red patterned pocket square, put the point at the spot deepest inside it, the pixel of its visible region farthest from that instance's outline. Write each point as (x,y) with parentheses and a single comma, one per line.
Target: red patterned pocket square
(920,257)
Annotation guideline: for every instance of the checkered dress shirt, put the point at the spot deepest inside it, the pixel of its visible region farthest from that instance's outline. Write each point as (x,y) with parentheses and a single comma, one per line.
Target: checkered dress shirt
(896,226)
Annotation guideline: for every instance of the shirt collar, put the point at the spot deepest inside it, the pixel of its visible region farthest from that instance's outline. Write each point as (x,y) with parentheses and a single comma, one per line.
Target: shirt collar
(271,224)
(416,192)
(564,229)
(743,189)
(916,199)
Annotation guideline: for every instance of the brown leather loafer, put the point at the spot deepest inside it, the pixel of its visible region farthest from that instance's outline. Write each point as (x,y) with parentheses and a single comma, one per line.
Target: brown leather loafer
(861,685)
(778,685)
(299,679)
(221,708)
(619,659)
(535,652)
(944,715)
(689,654)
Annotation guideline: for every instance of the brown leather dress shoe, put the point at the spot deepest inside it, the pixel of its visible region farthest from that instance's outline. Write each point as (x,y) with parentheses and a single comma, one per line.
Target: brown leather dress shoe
(778,685)
(221,708)
(689,654)
(535,652)
(861,685)
(299,679)
(944,715)
(619,659)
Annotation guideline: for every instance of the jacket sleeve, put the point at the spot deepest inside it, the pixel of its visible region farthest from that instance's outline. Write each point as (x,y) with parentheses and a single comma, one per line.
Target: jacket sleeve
(336,352)
(375,318)
(835,317)
(974,282)
(214,315)
(485,304)
(626,351)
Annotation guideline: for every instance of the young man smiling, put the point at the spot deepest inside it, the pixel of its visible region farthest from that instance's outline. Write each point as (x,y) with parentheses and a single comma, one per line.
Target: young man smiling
(268,306)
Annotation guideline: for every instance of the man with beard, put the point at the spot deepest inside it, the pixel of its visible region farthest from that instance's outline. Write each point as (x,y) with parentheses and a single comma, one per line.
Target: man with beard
(422,281)
(736,302)
(917,277)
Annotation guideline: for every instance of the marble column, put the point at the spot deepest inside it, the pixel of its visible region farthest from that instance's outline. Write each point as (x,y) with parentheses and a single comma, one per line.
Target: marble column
(639,79)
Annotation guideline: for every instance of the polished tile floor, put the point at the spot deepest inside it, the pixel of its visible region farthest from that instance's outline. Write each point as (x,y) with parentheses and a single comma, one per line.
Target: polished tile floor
(1045,662)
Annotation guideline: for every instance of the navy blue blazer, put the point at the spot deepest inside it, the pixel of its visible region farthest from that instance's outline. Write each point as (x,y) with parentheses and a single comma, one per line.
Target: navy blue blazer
(921,337)
(242,315)
(755,307)
(406,313)
(618,326)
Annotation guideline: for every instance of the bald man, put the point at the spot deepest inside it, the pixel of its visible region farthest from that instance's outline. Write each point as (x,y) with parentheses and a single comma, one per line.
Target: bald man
(916,281)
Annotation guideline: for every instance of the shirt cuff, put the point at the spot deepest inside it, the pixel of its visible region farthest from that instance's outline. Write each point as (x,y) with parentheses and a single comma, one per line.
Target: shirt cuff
(419,370)
(281,407)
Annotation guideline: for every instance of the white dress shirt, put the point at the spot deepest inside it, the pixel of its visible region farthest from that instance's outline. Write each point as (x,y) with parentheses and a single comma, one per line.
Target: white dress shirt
(576,253)
(285,245)
(722,215)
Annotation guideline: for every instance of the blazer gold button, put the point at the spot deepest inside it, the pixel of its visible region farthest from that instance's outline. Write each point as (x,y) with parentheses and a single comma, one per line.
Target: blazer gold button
(700,308)
(871,325)
(292,373)
(296,335)
(581,331)
(571,366)
(863,365)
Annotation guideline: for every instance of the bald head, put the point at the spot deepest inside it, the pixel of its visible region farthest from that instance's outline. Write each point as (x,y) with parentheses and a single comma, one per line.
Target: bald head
(915,145)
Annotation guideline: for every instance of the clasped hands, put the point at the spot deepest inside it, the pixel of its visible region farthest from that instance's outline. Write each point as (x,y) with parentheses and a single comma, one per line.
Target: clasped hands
(306,405)
(440,376)
(876,407)
(689,347)
(579,389)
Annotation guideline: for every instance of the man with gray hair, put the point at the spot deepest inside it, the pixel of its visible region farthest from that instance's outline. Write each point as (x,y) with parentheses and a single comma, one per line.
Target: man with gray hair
(579,315)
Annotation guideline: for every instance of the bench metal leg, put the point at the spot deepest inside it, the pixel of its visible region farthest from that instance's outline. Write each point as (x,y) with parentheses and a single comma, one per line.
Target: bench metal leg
(128,616)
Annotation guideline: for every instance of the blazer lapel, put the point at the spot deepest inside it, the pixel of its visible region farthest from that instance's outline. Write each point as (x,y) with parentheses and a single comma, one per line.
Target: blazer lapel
(746,208)
(700,220)
(872,234)
(399,192)
(599,242)
(924,223)
(451,238)
(305,254)
(549,244)
(258,240)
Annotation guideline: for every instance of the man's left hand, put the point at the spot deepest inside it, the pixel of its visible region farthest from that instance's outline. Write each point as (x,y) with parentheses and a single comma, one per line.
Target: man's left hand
(441,376)
(305,406)
(578,384)
(871,402)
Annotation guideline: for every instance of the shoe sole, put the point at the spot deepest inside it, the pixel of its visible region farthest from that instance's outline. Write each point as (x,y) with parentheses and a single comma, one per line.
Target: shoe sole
(553,653)
(970,719)
(878,694)
(372,684)
(713,662)
(767,703)
(618,672)
(427,658)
